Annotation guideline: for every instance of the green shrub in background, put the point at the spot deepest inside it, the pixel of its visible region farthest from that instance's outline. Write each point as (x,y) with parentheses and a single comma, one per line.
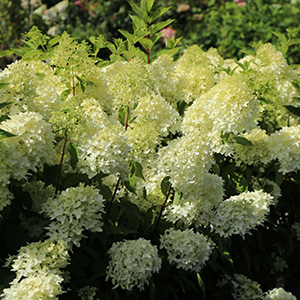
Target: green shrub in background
(231,28)
(212,23)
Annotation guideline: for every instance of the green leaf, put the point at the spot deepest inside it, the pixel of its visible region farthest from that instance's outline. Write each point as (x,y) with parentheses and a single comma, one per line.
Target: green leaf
(281,36)
(177,197)
(294,110)
(131,183)
(82,83)
(165,185)
(74,155)
(4,53)
(139,11)
(146,5)
(40,76)
(157,13)
(53,41)
(65,94)
(5,134)
(171,52)
(249,52)
(4,104)
(74,180)
(122,115)
(3,85)
(242,141)
(137,169)
(146,43)
(158,26)
(128,35)
(138,23)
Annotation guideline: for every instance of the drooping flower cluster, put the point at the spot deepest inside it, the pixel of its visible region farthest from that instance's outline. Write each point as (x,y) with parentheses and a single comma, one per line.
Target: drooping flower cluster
(72,212)
(239,214)
(132,263)
(186,249)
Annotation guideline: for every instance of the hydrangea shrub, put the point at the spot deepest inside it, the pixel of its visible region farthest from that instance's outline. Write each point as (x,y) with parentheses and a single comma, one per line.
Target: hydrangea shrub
(145,176)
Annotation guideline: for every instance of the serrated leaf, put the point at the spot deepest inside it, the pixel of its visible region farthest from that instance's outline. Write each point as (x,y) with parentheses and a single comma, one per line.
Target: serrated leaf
(3,84)
(165,185)
(73,151)
(294,110)
(242,141)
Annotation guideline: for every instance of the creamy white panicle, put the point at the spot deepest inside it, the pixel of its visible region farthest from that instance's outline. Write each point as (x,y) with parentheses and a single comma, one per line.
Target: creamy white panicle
(284,145)
(132,263)
(31,147)
(72,212)
(37,286)
(107,151)
(186,249)
(239,214)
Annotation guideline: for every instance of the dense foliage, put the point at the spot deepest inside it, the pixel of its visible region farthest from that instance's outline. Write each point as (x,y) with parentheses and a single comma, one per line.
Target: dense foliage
(229,26)
(144,176)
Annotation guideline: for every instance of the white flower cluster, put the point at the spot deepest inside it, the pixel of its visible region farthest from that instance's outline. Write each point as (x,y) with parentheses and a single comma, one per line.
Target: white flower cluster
(37,267)
(239,214)
(284,145)
(132,263)
(107,151)
(186,249)
(279,294)
(197,205)
(254,154)
(33,87)
(37,286)
(228,107)
(31,147)
(74,210)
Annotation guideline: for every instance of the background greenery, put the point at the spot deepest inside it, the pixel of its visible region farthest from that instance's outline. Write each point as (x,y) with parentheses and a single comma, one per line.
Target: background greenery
(210,23)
